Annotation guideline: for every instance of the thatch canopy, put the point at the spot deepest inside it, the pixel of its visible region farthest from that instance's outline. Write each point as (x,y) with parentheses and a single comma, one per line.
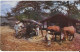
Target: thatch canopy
(31,21)
(63,20)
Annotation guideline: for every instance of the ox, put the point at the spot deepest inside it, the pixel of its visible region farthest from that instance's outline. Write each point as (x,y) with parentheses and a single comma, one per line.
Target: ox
(69,31)
(56,30)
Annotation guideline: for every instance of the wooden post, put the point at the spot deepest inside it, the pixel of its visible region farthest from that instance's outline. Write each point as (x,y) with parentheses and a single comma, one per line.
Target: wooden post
(43,25)
(60,37)
(47,24)
(55,37)
(41,31)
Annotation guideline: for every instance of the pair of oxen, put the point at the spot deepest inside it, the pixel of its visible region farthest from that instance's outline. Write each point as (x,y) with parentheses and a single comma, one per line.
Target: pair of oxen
(65,33)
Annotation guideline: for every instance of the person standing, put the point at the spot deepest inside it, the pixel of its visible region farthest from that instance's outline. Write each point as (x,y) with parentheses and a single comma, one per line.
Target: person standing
(16,27)
(37,30)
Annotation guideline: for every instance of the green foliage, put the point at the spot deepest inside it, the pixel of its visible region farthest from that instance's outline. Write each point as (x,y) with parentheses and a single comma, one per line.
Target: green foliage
(30,15)
(37,7)
(21,17)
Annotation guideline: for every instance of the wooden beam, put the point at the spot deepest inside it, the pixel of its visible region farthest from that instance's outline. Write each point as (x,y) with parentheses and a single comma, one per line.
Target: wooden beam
(47,24)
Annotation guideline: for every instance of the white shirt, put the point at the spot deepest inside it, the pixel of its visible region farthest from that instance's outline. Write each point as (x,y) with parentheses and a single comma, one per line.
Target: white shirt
(37,28)
(49,37)
(16,27)
(21,24)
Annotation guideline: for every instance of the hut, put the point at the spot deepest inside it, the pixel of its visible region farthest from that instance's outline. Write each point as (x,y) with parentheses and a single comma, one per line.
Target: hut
(12,21)
(4,21)
(60,20)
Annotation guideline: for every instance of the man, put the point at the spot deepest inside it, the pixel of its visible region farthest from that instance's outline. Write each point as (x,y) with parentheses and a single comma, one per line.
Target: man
(21,24)
(16,27)
(49,37)
(37,30)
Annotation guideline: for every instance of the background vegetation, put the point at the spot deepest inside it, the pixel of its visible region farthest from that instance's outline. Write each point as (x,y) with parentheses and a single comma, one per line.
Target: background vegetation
(39,10)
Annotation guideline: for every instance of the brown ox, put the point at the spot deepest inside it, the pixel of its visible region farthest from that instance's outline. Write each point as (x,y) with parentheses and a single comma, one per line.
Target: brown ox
(69,31)
(56,30)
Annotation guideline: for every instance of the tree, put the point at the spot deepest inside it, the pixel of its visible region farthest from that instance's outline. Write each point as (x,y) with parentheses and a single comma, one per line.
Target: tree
(35,9)
(9,14)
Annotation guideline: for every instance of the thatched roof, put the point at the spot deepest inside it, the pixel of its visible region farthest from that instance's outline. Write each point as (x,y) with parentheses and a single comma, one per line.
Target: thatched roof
(12,18)
(32,21)
(60,18)
(4,20)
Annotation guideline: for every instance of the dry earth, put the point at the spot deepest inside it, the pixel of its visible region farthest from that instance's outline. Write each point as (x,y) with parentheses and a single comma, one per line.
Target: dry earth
(10,43)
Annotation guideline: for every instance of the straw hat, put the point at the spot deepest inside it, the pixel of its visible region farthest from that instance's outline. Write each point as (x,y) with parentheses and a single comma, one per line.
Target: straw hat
(48,31)
(17,21)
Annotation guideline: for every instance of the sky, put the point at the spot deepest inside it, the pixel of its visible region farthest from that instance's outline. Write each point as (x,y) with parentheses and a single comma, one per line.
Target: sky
(7,5)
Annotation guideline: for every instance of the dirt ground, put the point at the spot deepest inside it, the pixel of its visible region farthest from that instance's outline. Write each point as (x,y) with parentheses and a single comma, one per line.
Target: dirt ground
(10,43)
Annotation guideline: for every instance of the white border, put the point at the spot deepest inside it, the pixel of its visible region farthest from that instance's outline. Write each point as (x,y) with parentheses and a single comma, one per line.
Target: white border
(41,51)
(39,0)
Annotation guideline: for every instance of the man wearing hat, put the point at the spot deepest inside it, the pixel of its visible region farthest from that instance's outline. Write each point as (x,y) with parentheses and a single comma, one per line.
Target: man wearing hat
(16,27)
(49,37)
